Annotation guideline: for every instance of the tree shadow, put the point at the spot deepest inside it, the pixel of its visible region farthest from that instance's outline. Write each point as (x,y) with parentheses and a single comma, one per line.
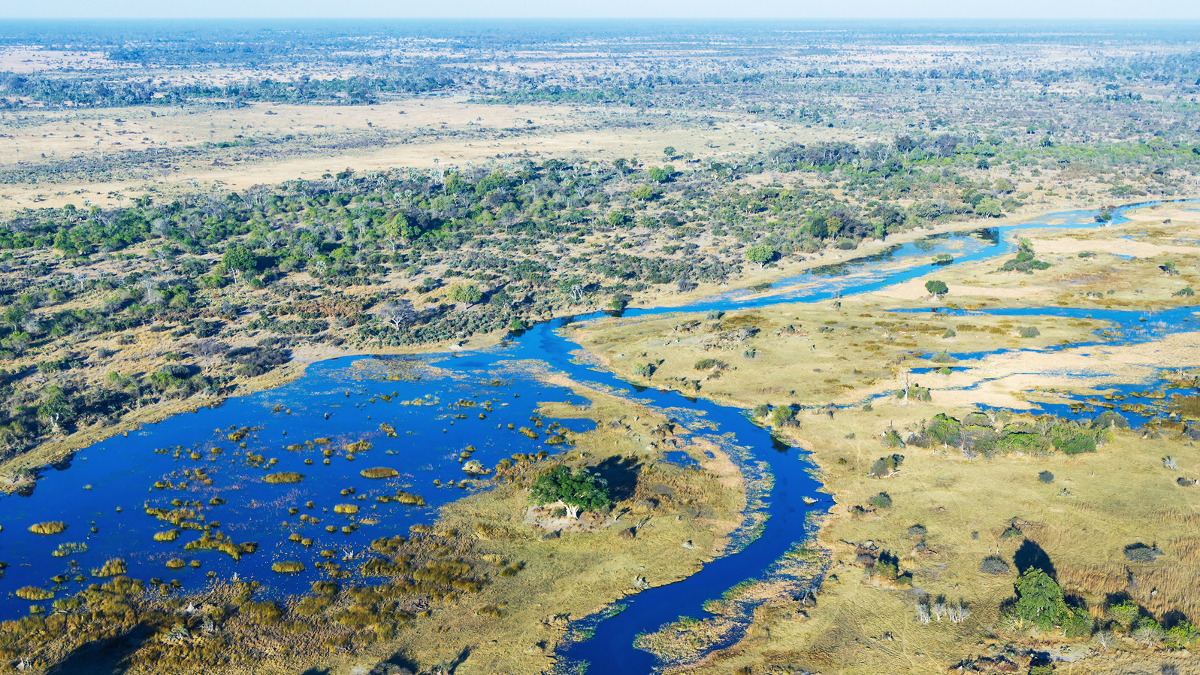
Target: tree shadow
(1032,556)
(103,657)
(621,475)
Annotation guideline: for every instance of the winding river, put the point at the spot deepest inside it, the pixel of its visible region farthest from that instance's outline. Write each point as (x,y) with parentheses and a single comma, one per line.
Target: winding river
(439,407)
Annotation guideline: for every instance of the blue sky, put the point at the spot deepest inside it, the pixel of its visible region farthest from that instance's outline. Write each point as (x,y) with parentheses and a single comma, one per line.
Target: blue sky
(680,9)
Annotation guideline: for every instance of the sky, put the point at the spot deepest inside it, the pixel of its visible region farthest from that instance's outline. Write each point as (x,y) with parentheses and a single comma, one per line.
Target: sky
(671,9)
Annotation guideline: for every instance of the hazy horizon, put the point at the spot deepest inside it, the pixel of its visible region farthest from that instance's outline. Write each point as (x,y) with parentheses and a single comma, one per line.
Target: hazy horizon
(619,9)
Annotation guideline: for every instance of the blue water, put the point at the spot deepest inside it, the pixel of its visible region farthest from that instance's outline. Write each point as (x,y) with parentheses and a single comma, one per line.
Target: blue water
(121,471)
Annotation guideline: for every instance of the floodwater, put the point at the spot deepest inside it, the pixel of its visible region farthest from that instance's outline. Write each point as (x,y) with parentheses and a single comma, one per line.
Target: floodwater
(465,399)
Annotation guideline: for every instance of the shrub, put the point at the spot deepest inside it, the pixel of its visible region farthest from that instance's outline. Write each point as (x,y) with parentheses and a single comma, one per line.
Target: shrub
(1109,418)
(708,364)
(176,564)
(917,530)
(950,332)
(1046,477)
(1125,615)
(881,501)
(1028,331)
(782,416)
(1142,553)
(885,466)
(994,565)
(1076,444)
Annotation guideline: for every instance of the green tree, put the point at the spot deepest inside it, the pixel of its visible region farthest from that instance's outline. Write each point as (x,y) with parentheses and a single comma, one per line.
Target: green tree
(936,288)
(468,293)
(660,174)
(239,258)
(669,151)
(578,490)
(989,207)
(761,254)
(1040,599)
(782,416)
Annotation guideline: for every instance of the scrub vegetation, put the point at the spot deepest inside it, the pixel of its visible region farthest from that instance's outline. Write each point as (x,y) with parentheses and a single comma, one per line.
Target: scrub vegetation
(184,219)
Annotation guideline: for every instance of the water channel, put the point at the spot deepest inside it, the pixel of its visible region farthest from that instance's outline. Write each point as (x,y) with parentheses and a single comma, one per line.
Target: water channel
(438,406)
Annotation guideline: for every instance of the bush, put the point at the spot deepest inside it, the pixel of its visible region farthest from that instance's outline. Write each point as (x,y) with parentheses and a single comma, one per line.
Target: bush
(1046,477)
(994,565)
(1028,331)
(782,416)
(881,501)
(1076,444)
(917,530)
(885,466)
(1142,553)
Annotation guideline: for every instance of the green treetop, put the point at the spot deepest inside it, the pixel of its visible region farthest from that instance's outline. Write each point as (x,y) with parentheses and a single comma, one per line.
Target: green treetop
(761,254)
(936,287)
(468,293)
(580,490)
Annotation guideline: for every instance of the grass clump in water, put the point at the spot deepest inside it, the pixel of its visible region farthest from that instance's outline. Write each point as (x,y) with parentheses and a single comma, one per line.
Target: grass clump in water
(50,527)
(112,568)
(379,472)
(283,477)
(176,564)
(69,548)
(168,535)
(287,567)
(34,594)
(346,509)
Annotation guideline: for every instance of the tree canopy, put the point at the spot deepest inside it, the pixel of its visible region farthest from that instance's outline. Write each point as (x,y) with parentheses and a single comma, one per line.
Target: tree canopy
(761,254)
(936,287)
(468,293)
(578,490)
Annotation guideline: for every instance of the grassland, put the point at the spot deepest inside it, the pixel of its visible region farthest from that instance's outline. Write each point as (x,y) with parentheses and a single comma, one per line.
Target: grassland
(948,509)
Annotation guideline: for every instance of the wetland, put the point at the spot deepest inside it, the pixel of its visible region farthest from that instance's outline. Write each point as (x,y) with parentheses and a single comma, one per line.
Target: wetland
(845,385)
